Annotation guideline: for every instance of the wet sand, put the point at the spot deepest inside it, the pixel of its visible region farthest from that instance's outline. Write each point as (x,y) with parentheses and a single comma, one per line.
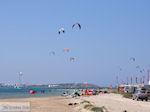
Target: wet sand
(46,104)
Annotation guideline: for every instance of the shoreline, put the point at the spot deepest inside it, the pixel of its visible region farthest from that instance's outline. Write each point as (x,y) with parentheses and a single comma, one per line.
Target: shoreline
(29,97)
(44,104)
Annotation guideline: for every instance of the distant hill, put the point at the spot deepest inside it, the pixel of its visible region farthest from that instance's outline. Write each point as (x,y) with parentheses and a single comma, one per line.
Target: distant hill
(77,85)
(63,85)
(68,85)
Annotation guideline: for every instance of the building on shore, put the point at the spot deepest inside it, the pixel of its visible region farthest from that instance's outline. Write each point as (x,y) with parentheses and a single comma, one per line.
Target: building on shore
(131,88)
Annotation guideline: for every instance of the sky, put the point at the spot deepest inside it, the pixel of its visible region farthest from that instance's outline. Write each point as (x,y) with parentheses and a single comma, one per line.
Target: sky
(112,32)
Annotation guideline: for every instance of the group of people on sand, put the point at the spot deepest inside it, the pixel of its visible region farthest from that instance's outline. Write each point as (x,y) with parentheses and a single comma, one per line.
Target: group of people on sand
(84,92)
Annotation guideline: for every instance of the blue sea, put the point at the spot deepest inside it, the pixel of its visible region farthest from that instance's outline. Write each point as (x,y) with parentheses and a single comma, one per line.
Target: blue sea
(10,92)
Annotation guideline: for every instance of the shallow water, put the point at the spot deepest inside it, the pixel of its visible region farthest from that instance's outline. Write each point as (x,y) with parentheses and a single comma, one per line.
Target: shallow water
(6,92)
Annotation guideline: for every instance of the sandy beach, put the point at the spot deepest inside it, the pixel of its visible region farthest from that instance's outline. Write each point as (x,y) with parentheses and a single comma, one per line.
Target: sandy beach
(44,104)
(112,102)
